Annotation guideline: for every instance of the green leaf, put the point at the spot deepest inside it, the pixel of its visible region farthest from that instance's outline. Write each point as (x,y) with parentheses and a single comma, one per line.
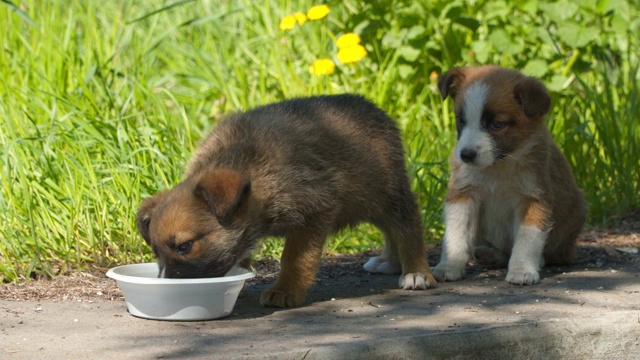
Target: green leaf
(470,23)
(619,24)
(482,49)
(575,35)
(590,5)
(560,11)
(529,6)
(415,31)
(601,6)
(536,68)
(394,38)
(409,53)
(450,11)
(503,43)
(359,29)
(454,12)
(497,9)
(557,83)
(541,35)
(405,70)
(621,8)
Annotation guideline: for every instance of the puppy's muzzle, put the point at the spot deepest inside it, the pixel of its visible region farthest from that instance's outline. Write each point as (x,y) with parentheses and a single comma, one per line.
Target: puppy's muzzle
(468,155)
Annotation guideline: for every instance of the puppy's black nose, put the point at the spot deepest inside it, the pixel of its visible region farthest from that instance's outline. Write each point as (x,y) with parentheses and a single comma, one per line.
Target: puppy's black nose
(468,155)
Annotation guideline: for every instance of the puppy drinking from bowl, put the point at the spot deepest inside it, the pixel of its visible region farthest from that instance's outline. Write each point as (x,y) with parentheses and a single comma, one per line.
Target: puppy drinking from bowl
(511,200)
(299,169)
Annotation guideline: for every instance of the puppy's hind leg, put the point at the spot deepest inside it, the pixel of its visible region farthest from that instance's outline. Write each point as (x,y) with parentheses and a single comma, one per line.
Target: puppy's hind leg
(403,253)
(388,262)
(388,219)
(416,273)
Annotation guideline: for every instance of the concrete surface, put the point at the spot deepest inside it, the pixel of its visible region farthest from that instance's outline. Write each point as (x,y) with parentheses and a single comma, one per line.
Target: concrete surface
(579,314)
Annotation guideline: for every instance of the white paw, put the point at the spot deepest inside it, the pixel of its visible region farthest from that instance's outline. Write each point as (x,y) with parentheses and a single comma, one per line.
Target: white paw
(415,281)
(448,273)
(378,264)
(523,276)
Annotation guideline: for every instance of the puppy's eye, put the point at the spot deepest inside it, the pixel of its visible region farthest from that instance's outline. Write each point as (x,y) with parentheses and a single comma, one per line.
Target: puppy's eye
(497,125)
(460,120)
(184,248)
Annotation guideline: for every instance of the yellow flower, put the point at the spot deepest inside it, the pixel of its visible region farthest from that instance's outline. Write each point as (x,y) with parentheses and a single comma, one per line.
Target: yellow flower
(317,12)
(348,39)
(287,23)
(433,77)
(352,54)
(300,17)
(322,67)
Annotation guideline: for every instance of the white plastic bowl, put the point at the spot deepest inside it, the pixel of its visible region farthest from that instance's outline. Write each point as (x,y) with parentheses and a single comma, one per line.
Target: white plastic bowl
(150,297)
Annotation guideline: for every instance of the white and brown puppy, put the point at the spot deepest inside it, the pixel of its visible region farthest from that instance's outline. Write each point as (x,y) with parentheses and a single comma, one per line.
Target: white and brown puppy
(512,199)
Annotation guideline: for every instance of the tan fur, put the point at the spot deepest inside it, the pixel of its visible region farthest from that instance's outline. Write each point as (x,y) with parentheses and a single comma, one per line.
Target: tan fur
(529,194)
(301,169)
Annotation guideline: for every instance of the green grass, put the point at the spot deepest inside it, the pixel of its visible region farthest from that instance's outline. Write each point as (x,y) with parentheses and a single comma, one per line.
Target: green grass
(101,104)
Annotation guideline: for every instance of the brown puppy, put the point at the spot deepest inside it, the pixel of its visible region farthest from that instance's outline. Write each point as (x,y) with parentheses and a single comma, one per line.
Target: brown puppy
(301,169)
(511,192)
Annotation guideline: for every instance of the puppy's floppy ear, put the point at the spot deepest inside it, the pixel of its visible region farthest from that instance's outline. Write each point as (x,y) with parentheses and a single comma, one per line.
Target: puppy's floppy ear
(450,81)
(143,218)
(532,95)
(223,190)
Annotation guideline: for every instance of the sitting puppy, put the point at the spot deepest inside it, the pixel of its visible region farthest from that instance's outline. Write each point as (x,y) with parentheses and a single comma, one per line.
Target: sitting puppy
(301,169)
(511,191)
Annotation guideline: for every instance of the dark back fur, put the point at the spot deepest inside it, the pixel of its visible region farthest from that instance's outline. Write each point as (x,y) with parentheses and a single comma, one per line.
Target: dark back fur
(323,162)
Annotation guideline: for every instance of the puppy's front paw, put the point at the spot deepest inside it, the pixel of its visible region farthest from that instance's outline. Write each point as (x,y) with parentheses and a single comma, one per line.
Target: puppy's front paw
(417,281)
(273,297)
(380,265)
(444,272)
(523,276)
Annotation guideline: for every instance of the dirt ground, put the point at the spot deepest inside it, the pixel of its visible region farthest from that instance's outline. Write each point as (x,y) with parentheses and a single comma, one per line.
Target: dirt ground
(597,249)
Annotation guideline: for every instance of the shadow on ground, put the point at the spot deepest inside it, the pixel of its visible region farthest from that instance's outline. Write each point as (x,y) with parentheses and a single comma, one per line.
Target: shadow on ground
(589,309)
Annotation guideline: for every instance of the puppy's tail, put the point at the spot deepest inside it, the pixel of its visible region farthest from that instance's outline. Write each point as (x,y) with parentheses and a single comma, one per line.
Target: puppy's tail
(565,250)
(562,255)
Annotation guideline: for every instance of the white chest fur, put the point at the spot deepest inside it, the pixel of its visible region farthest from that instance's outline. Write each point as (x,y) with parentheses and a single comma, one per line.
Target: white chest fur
(500,195)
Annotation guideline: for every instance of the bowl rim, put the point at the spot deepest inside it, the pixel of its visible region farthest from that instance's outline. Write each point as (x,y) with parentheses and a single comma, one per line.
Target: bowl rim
(114,274)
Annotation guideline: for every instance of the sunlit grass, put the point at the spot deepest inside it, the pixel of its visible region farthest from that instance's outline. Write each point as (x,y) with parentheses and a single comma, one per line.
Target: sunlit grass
(101,104)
